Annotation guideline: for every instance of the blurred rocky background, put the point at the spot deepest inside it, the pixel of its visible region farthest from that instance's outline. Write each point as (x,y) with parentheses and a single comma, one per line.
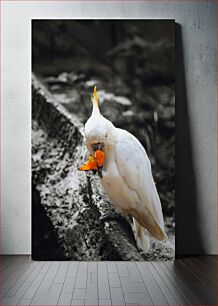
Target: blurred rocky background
(133,65)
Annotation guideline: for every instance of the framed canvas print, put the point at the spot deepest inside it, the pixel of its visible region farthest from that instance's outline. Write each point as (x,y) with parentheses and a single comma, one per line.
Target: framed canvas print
(103,140)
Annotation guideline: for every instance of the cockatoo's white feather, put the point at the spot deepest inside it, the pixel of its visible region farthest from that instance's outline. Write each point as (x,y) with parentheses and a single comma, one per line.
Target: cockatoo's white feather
(127,178)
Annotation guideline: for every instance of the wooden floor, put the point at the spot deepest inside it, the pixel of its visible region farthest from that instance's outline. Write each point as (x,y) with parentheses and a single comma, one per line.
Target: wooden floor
(189,281)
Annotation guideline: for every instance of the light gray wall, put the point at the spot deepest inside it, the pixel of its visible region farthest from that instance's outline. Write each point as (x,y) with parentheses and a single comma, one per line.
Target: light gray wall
(198,21)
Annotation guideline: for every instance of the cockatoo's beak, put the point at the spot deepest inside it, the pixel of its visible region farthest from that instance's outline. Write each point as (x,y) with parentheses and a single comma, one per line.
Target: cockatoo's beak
(97,146)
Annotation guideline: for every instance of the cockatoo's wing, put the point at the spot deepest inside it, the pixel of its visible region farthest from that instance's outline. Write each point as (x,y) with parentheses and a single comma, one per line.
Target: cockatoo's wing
(135,169)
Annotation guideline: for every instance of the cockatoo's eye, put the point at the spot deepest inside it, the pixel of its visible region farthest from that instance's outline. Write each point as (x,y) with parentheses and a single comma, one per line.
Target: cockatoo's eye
(97,146)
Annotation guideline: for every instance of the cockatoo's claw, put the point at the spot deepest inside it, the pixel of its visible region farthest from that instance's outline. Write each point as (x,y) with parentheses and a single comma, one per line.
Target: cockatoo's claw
(110,216)
(113,216)
(107,216)
(94,171)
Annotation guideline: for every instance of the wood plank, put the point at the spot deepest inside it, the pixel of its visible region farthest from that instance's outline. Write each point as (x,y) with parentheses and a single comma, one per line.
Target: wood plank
(29,275)
(185,273)
(130,286)
(37,269)
(170,282)
(24,302)
(16,263)
(81,278)
(12,286)
(79,294)
(91,294)
(48,298)
(137,298)
(78,302)
(151,284)
(17,273)
(105,302)
(103,282)
(46,266)
(188,264)
(92,267)
(65,298)
(49,277)
(209,274)
(196,286)
(18,295)
(114,280)
(200,269)
(172,269)
(102,268)
(117,297)
(134,273)
(111,267)
(61,274)
(69,285)
(73,268)
(3,292)
(167,291)
(210,261)
(123,270)
(5,261)
(83,266)
(31,291)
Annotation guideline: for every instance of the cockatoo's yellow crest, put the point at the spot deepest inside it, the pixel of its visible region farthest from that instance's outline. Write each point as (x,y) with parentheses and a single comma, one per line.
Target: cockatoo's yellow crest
(94,98)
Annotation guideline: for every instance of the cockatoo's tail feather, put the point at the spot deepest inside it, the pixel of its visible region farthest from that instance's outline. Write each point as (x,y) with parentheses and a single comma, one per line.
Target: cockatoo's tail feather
(141,237)
(148,221)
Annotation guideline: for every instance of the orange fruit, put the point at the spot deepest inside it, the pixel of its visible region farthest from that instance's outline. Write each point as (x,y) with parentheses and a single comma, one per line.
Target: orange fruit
(99,157)
(94,162)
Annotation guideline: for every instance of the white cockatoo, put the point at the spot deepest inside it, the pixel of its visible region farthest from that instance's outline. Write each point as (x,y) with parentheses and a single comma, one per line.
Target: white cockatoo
(126,176)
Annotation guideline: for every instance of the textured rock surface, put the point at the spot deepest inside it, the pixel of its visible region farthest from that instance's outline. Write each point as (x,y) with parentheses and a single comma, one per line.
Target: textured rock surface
(74,200)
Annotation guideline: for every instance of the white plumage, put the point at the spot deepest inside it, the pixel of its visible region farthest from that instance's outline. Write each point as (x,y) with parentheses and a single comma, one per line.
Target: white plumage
(126,177)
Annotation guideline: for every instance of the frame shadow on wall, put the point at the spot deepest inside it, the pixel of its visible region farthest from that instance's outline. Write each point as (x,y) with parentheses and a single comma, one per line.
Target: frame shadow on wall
(189,240)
